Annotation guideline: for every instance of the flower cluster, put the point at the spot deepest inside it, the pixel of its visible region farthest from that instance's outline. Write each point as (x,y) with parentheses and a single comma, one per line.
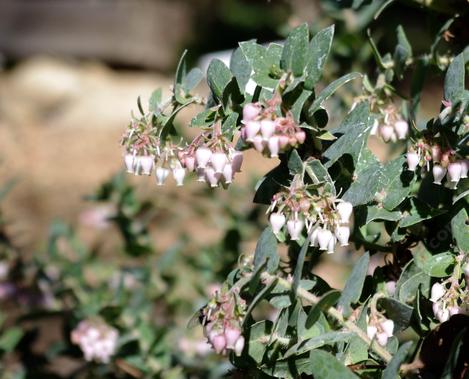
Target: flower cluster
(450,301)
(222,319)
(445,163)
(390,126)
(96,339)
(325,218)
(380,328)
(268,133)
(213,159)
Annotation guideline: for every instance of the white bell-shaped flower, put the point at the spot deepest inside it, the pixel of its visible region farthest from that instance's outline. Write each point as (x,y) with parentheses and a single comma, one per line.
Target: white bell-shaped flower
(386,131)
(402,128)
(146,163)
(218,160)
(161,174)
(267,129)
(202,156)
(129,163)
(345,209)
(464,168)
(437,292)
(439,173)
(250,112)
(274,146)
(324,236)
(252,128)
(413,160)
(295,227)
(454,172)
(342,232)
(388,327)
(179,173)
(277,221)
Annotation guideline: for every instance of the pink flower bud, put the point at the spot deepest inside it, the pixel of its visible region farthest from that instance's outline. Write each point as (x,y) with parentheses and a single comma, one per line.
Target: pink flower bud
(179,173)
(146,162)
(324,236)
(386,131)
(252,128)
(219,343)
(313,237)
(436,153)
(202,156)
(201,175)
(454,310)
(267,129)
(401,127)
(129,163)
(300,136)
(161,174)
(190,163)
(443,315)
(283,141)
(258,143)
(454,172)
(236,161)
(277,220)
(231,335)
(331,245)
(382,338)
(464,168)
(294,228)
(413,160)
(439,173)
(371,331)
(342,232)
(218,161)
(345,209)
(388,327)
(211,176)
(437,292)
(228,173)
(239,346)
(250,112)
(274,146)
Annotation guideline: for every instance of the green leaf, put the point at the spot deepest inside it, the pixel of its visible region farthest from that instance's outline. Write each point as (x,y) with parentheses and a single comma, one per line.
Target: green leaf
(218,77)
(192,79)
(328,300)
(240,68)
(318,51)
(266,250)
(402,52)
(408,288)
(294,50)
(155,101)
(460,230)
(295,164)
(354,285)
(259,334)
(438,265)
(181,69)
(323,365)
(418,212)
(454,79)
(329,338)
(265,62)
(392,369)
(353,131)
(298,273)
(330,90)
(399,312)
(10,338)
(374,213)
(318,173)
(396,183)
(297,106)
(230,124)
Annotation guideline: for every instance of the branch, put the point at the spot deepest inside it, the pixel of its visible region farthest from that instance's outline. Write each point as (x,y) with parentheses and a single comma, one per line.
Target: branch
(333,312)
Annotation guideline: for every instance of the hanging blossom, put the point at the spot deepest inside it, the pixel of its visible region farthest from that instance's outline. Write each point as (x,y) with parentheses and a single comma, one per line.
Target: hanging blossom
(390,125)
(449,298)
(267,132)
(325,218)
(441,162)
(97,340)
(222,320)
(212,157)
(379,328)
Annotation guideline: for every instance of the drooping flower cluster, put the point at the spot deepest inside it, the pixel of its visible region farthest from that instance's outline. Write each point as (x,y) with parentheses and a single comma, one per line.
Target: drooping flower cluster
(267,132)
(97,340)
(450,301)
(222,320)
(390,126)
(380,328)
(443,162)
(325,218)
(213,158)
(210,155)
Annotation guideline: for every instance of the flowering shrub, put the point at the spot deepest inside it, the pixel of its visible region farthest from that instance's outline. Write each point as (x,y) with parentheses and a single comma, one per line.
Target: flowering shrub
(324,176)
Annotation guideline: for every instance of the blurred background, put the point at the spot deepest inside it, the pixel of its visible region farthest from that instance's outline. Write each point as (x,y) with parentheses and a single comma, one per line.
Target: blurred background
(70,73)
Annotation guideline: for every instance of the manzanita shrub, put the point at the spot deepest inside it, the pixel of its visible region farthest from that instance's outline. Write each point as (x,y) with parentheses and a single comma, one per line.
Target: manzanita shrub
(407,317)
